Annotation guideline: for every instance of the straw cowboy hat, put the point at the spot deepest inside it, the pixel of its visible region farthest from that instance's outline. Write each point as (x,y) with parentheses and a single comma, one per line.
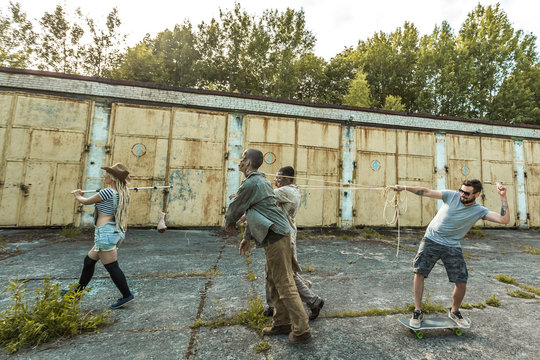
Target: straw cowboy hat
(119,171)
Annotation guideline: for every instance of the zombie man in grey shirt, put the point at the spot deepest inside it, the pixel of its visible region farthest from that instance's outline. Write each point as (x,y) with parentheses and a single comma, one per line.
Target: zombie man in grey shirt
(442,239)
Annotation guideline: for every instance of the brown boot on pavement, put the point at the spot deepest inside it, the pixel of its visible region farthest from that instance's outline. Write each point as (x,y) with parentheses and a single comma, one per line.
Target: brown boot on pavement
(300,339)
(277,330)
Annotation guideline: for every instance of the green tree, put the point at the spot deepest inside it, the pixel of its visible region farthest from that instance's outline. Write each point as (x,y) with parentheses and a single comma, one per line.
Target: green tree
(490,52)
(103,54)
(17,37)
(393,103)
(339,73)
(141,64)
(59,42)
(310,77)
(358,94)
(177,55)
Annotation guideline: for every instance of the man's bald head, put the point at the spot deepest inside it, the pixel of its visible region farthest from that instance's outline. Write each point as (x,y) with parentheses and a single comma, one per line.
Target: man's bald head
(255,158)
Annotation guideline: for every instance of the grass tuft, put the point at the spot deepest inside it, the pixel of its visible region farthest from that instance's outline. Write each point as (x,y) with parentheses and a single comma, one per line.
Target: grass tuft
(70,231)
(530,250)
(310,268)
(493,301)
(48,317)
(477,232)
(520,294)
(506,279)
(529,288)
(370,233)
(479,305)
(261,346)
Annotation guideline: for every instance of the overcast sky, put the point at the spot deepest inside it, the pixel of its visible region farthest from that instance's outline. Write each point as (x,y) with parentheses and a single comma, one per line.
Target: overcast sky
(336,23)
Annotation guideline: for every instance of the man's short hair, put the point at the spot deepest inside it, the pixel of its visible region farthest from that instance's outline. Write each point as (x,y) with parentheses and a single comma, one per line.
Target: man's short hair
(475,183)
(255,158)
(287,171)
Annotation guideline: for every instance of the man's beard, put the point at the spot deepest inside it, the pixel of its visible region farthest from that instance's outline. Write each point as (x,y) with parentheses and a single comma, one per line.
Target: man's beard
(467,201)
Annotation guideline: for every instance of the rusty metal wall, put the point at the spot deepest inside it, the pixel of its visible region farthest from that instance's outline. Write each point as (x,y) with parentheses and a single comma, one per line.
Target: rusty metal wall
(532,171)
(43,158)
(44,139)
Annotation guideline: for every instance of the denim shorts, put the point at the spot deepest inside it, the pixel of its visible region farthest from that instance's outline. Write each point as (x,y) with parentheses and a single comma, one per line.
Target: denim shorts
(430,252)
(107,237)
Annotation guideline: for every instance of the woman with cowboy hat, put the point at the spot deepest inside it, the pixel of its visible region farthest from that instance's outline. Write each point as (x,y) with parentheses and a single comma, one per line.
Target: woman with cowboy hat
(110,222)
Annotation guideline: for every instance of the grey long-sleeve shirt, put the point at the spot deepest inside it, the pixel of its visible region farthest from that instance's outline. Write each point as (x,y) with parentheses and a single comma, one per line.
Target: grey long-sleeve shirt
(256,199)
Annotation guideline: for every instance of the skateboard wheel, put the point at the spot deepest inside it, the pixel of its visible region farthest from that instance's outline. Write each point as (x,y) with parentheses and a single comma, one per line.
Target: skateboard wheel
(419,335)
(458,332)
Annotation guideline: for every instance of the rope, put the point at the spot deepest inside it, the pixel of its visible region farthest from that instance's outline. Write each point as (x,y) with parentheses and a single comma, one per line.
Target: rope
(394,202)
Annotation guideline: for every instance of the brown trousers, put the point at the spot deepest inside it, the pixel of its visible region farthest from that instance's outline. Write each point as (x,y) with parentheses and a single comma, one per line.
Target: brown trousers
(288,308)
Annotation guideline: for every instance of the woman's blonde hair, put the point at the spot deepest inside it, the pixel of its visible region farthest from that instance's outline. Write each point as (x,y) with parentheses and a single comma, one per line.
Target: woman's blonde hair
(121,216)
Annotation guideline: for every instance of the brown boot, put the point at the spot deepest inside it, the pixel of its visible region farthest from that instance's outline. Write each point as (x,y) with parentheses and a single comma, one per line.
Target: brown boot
(300,339)
(277,330)
(315,311)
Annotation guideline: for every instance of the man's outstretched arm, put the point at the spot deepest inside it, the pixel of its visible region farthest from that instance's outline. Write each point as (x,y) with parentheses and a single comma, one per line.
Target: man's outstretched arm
(421,191)
(504,216)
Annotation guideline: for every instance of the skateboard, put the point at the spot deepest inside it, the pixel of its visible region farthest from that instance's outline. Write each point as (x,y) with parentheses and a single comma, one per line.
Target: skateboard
(435,323)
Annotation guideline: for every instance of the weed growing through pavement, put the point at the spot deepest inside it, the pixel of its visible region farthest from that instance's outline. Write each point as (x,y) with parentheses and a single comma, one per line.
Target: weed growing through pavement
(529,288)
(165,275)
(530,250)
(261,346)
(70,231)
(467,306)
(48,317)
(520,294)
(310,268)
(506,279)
(493,301)
(428,307)
(369,233)
(477,232)
(253,316)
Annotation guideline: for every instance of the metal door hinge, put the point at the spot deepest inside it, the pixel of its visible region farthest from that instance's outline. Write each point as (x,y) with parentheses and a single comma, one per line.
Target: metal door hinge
(226,156)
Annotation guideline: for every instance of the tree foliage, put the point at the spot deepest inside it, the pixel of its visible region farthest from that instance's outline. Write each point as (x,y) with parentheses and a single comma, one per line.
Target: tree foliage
(487,69)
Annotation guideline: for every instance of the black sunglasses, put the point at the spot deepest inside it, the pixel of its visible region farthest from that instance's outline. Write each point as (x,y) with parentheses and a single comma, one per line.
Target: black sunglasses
(466,193)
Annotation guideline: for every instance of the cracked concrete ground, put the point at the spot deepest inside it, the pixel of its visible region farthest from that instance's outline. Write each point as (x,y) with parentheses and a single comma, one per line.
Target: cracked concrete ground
(349,271)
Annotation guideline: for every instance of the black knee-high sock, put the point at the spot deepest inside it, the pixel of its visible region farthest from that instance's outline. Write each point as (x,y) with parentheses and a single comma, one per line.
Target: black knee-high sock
(117,275)
(87,272)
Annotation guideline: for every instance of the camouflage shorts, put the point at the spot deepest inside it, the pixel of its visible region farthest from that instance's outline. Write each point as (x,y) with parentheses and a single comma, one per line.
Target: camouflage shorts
(430,252)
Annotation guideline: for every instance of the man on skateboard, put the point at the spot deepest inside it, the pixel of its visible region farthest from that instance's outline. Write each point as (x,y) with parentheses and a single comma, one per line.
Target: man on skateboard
(454,219)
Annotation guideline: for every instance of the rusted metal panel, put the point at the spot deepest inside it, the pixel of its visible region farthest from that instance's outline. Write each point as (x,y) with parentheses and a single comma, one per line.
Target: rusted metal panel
(376,140)
(532,169)
(35,204)
(263,129)
(498,166)
(63,206)
(374,170)
(276,156)
(199,125)
(49,145)
(139,207)
(18,144)
(136,153)
(11,193)
(51,113)
(463,159)
(317,206)
(45,149)
(317,158)
(315,133)
(196,154)
(141,120)
(197,197)
(5,107)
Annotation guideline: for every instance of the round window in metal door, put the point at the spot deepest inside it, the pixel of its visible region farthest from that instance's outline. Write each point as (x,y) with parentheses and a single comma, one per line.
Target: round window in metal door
(269,158)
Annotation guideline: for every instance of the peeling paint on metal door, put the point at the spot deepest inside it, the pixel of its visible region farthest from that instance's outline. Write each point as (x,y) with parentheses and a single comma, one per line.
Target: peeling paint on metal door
(317,158)
(498,166)
(197,168)
(415,167)
(376,167)
(43,158)
(140,137)
(532,169)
